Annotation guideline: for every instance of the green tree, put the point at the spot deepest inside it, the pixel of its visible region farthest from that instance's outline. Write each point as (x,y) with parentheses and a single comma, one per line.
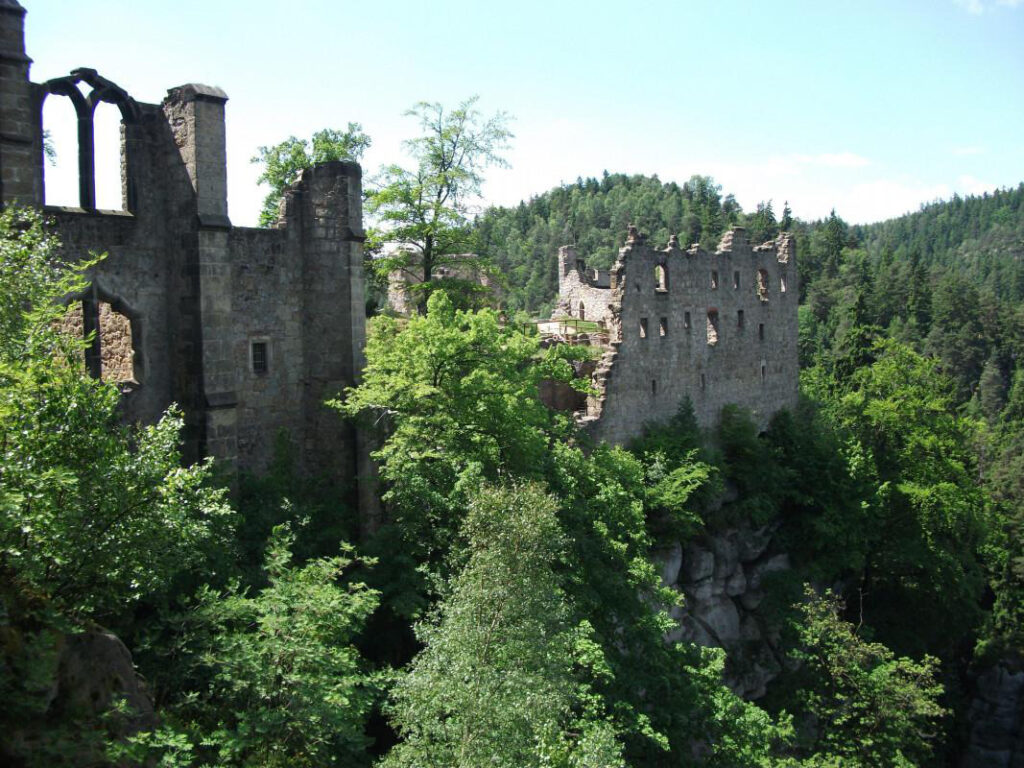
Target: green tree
(459,392)
(95,517)
(867,707)
(502,678)
(276,679)
(424,210)
(282,162)
(928,517)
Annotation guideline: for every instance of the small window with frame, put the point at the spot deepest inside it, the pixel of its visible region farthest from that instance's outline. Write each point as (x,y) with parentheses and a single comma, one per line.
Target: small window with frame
(259,356)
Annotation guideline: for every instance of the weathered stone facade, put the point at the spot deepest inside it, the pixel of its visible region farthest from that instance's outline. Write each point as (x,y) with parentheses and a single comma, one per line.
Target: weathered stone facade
(717,328)
(248,330)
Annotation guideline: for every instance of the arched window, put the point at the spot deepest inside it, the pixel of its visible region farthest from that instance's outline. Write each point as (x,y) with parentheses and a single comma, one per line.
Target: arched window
(112,354)
(108,154)
(60,152)
(583,311)
(660,278)
(114,147)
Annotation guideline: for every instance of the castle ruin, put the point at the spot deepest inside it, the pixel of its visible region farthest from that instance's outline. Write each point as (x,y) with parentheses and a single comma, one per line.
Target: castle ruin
(717,328)
(248,330)
(251,330)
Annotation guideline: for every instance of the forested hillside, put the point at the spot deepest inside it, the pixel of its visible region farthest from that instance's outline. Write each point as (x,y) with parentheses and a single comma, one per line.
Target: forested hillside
(510,610)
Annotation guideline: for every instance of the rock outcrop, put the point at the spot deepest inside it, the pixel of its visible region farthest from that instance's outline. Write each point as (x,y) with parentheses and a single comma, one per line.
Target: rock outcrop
(996,718)
(721,576)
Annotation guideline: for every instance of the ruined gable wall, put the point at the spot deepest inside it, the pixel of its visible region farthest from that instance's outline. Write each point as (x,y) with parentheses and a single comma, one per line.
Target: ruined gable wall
(195,291)
(146,271)
(646,378)
(581,287)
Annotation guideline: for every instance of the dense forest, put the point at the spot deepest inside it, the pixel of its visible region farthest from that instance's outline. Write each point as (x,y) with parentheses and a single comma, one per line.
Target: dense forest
(509,613)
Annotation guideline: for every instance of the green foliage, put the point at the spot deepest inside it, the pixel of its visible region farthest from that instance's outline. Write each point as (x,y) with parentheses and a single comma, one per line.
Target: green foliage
(276,679)
(502,679)
(282,162)
(594,214)
(95,515)
(927,515)
(424,209)
(459,393)
(867,708)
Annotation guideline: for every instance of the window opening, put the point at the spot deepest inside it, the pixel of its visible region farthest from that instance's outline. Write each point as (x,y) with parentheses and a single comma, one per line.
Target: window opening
(782,283)
(654,387)
(712,327)
(764,372)
(643,327)
(61,179)
(660,278)
(686,321)
(762,285)
(582,312)
(108,154)
(739,318)
(116,349)
(714,279)
(663,327)
(260,361)
(703,382)
(111,354)
(760,331)
(736,280)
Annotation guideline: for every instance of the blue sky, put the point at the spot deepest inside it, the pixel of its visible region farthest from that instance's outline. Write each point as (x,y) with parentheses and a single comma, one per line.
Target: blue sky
(870,107)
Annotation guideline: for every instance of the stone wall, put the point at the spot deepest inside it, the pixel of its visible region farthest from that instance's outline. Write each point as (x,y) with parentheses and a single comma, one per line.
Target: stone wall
(184,300)
(582,292)
(717,328)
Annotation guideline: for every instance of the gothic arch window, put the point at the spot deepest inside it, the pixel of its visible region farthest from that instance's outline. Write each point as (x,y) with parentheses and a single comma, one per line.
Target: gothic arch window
(113,354)
(660,278)
(61,173)
(87,90)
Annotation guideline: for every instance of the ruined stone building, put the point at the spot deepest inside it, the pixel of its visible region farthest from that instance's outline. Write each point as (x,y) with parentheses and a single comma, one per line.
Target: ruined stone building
(463,273)
(717,328)
(248,330)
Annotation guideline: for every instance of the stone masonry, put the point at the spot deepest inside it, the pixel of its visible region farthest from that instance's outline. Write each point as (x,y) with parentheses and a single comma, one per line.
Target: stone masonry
(717,328)
(247,330)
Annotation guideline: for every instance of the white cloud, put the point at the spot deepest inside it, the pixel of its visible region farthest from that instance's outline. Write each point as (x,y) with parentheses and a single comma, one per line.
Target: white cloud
(965,151)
